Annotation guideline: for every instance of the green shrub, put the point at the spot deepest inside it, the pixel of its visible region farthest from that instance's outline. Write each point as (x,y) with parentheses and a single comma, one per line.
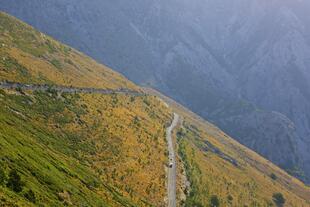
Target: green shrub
(30,196)
(136,121)
(230,199)
(273,176)
(147,102)
(56,63)
(15,182)
(278,199)
(2,176)
(51,90)
(50,46)
(19,89)
(197,204)
(214,202)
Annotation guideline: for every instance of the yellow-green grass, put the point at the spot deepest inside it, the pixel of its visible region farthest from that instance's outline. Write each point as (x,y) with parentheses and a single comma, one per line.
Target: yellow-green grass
(250,183)
(100,150)
(76,149)
(28,56)
(210,174)
(95,150)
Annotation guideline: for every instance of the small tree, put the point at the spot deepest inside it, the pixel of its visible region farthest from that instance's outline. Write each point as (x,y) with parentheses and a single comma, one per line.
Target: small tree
(2,176)
(273,176)
(230,199)
(19,89)
(30,196)
(278,199)
(214,202)
(14,181)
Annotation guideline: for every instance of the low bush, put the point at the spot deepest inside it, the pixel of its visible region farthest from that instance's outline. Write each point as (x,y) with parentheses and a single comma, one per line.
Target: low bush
(15,182)
(278,199)
(273,176)
(214,201)
(30,196)
(2,176)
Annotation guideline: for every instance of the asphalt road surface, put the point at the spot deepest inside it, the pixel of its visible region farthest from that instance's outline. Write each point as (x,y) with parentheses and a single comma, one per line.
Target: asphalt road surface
(172,169)
(64,89)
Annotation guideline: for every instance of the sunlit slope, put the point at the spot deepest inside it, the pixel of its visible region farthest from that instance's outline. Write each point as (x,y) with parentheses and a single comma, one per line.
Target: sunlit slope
(29,56)
(110,150)
(236,176)
(96,150)
(216,165)
(74,149)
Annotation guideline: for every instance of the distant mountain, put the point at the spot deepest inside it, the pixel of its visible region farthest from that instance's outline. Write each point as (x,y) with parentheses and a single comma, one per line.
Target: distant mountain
(243,64)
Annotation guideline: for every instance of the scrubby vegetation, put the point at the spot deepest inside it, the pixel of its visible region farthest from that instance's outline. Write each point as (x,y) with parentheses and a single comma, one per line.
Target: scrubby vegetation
(214,201)
(109,150)
(14,181)
(2,176)
(278,199)
(30,196)
(273,176)
(82,149)
(29,56)
(74,149)
(218,181)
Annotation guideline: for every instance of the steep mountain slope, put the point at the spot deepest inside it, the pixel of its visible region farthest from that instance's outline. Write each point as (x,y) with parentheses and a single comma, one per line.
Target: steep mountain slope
(208,55)
(219,167)
(30,56)
(77,149)
(83,149)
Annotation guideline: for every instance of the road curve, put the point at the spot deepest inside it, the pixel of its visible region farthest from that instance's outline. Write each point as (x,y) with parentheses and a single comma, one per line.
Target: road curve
(65,89)
(172,170)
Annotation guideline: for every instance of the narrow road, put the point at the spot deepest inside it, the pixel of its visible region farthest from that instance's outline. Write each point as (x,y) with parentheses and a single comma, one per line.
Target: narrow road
(65,89)
(172,169)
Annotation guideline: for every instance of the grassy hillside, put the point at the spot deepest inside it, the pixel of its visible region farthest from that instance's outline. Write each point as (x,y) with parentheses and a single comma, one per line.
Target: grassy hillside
(97,149)
(75,149)
(30,56)
(231,173)
(110,150)
(217,166)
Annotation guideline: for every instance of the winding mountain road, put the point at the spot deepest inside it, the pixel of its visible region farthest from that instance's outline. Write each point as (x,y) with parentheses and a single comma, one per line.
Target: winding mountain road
(65,89)
(172,169)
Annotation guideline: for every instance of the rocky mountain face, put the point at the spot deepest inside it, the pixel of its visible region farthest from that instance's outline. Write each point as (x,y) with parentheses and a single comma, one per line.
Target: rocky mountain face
(243,64)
